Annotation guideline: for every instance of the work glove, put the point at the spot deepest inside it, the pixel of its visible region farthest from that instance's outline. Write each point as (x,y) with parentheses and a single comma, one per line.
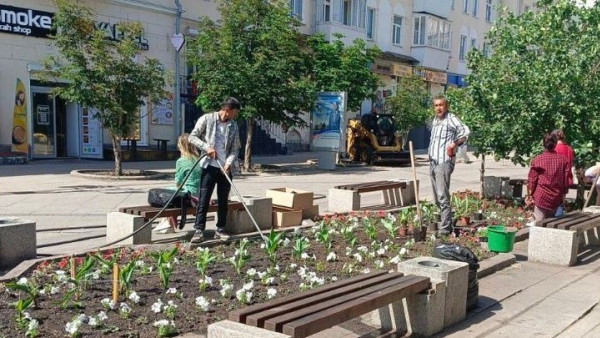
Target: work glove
(450,151)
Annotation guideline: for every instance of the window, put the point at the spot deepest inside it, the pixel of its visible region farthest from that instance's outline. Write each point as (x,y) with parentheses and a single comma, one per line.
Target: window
(296,8)
(397,30)
(486,50)
(371,23)
(346,12)
(452,4)
(473,43)
(475,8)
(462,48)
(326,10)
(488,10)
(439,33)
(465,6)
(419,31)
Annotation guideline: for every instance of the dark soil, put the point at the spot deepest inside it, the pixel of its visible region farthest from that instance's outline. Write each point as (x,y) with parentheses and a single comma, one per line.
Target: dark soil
(53,314)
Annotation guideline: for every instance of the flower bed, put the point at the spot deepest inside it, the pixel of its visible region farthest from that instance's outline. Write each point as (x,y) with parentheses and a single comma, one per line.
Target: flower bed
(176,291)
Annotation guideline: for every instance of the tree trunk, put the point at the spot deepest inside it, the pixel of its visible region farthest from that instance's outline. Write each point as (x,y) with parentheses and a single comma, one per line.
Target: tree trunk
(116,142)
(580,174)
(481,175)
(247,150)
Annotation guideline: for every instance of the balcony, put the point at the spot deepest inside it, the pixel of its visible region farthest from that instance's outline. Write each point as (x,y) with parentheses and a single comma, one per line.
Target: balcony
(440,8)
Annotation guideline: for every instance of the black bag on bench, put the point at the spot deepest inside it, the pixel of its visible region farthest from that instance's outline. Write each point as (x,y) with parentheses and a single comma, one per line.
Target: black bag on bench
(159,197)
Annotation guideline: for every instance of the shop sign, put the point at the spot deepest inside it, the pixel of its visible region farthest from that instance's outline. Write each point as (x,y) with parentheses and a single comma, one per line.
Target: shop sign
(24,21)
(431,75)
(382,67)
(113,33)
(402,70)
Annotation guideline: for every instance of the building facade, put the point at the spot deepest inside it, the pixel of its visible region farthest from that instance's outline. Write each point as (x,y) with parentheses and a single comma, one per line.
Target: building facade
(429,38)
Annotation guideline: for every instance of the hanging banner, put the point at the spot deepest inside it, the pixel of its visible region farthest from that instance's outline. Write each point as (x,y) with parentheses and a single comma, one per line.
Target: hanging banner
(91,135)
(20,134)
(162,112)
(328,122)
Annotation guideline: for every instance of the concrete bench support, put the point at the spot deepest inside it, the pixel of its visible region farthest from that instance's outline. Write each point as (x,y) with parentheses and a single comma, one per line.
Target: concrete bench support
(17,241)
(553,246)
(238,221)
(231,329)
(343,200)
(424,311)
(119,225)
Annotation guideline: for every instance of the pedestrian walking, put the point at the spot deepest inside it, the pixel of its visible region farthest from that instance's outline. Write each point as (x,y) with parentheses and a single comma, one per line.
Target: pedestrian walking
(216,135)
(447,133)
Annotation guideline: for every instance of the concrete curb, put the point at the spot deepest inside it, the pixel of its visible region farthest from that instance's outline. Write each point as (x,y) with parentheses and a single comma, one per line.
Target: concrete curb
(90,173)
(495,263)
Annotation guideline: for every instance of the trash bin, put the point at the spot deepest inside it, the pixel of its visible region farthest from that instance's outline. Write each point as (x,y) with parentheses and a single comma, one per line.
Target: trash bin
(459,253)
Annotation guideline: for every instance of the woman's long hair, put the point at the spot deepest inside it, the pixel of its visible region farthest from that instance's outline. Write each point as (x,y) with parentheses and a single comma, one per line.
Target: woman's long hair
(186,148)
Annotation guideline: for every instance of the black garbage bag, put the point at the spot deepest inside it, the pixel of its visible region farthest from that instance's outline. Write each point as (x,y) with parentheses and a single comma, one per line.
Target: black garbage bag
(459,253)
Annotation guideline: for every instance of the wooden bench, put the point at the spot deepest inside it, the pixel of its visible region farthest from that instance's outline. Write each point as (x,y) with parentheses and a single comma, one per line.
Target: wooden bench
(148,212)
(559,240)
(306,313)
(161,144)
(343,198)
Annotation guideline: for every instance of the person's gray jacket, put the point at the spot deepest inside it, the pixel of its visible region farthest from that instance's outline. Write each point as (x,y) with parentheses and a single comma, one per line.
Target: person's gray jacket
(204,133)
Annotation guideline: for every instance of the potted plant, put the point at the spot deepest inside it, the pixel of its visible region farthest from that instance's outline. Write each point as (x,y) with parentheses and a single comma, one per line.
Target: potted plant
(428,216)
(404,217)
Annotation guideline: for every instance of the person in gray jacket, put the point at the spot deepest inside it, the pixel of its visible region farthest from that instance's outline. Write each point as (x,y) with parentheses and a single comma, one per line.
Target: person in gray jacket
(217,136)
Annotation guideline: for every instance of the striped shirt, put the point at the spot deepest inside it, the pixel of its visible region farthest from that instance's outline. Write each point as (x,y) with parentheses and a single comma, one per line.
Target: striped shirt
(443,133)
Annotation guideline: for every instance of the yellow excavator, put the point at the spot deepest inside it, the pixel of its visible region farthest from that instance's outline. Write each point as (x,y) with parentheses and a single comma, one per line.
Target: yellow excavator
(373,139)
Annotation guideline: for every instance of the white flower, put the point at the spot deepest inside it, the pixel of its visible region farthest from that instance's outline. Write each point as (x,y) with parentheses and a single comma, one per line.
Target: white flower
(293,266)
(271,292)
(108,303)
(286,242)
(395,260)
(331,257)
(248,286)
(93,322)
(162,322)
(379,264)
(381,252)
(54,290)
(334,278)
(366,271)
(133,296)
(171,304)
(157,306)
(262,245)
(261,275)
(358,257)
(27,315)
(139,263)
(304,255)
(33,325)
(243,296)
(172,290)
(269,281)
(124,308)
(432,237)
(61,276)
(362,249)
(202,303)
(206,281)
(251,272)
(403,251)
(22,281)
(102,315)
(391,217)
(72,327)
(96,274)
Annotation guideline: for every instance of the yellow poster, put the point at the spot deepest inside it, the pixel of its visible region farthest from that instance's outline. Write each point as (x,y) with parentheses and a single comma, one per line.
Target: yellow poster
(19,131)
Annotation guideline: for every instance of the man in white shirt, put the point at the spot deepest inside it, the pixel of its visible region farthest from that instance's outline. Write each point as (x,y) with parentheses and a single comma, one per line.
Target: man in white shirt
(447,134)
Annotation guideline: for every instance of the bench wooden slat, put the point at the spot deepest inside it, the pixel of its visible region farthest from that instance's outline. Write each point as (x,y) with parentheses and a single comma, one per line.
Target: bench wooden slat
(276,323)
(373,186)
(567,221)
(581,220)
(549,222)
(335,315)
(147,212)
(590,223)
(241,314)
(340,292)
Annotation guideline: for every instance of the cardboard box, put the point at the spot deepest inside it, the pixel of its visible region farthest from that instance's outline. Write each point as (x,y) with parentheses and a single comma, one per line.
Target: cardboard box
(291,198)
(311,212)
(286,217)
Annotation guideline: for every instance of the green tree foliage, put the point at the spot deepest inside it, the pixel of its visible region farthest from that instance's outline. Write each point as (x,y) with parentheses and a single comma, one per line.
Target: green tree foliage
(340,67)
(110,76)
(542,75)
(411,105)
(254,54)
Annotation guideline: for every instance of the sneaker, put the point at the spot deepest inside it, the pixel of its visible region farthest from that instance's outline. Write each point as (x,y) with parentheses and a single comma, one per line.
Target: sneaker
(221,234)
(198,237)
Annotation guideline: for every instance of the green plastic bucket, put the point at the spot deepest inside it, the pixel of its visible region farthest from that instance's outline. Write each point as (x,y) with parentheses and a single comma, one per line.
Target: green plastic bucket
(500,239)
